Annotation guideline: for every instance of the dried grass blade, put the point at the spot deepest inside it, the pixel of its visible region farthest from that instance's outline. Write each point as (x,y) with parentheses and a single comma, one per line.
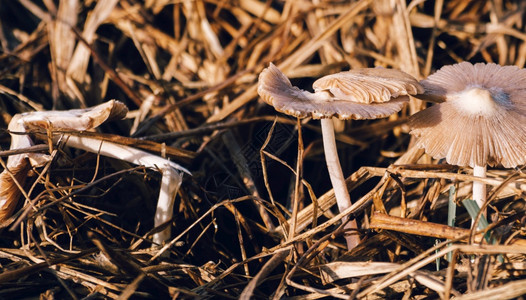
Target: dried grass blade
(412,226)
(80,59)
(62,43)
(7,276)
(333,271)
(510,290)
(427,257)
(432,282)
(268,267)
(299,56)
(20,97)
(243,169)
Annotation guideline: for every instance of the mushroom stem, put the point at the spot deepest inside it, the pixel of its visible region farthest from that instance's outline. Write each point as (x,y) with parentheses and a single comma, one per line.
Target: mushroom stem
(479,188)
(337,179)
(170,183)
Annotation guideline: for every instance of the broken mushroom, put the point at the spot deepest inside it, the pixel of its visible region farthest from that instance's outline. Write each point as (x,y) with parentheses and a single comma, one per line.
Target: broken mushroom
(15,171)
(356,94)
(481,120)
(67,126)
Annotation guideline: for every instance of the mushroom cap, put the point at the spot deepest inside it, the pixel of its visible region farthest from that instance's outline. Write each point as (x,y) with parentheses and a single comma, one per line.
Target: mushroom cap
(370,85)
(355,94)
(482,119)
(77,119)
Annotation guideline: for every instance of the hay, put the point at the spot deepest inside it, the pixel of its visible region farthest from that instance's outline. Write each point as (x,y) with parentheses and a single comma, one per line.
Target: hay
(188,71)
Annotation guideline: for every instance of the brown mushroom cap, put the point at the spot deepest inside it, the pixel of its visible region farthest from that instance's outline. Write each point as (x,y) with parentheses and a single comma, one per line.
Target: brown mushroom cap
(356,94)
(482,120)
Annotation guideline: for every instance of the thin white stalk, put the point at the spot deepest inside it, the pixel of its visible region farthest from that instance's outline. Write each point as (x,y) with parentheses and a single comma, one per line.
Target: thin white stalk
(170,183)
(114,150)
(339,186)
(479,188)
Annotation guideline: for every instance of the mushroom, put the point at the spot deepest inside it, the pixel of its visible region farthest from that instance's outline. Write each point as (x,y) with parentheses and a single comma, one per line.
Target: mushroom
(15,171)
(356,94)
(480,120)
(72,123)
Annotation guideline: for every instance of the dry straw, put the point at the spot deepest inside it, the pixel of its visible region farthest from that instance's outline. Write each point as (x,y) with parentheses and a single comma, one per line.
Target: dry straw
(188,72)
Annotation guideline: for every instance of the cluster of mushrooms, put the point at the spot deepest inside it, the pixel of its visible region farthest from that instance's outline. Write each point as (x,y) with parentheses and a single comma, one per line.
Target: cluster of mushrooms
(478,121)
(479,118)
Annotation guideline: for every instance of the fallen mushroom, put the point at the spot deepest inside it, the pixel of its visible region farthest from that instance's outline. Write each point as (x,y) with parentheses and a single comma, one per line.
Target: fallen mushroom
(70,123)
(15,170)
(356,94)
(481,120)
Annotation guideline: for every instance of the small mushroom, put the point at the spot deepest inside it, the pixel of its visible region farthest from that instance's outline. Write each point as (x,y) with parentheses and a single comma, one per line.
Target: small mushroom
(77,120)
(356,94)
(15,171)
(481,120)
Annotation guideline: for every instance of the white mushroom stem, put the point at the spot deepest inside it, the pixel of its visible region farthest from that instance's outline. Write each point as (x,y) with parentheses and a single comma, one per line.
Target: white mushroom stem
(118,151)
(479,188)
(339,186)
(170,183)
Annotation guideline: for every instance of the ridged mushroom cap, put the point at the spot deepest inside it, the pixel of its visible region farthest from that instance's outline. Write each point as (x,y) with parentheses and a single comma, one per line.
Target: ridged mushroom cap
(355,94)
(482,119)
(370,85)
